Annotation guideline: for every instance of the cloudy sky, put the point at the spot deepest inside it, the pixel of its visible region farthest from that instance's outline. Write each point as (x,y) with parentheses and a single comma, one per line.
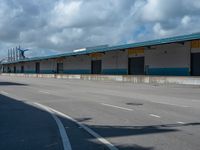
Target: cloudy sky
(55,26)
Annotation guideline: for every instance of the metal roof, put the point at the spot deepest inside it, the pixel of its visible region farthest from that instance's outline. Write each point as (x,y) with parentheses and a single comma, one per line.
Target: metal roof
(175,39)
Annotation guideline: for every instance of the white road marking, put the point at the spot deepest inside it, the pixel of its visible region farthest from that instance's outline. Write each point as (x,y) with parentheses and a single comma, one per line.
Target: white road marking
(153,115)
(128,109)
(180,122)
(3,92)
(64,137)
(165,103)
(90,131)
(45,92)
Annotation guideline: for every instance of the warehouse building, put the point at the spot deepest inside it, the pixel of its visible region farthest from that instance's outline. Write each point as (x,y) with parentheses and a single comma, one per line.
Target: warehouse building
(175,56)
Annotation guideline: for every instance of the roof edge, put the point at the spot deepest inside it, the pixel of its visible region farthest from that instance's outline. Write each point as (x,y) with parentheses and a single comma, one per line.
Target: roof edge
(181,38)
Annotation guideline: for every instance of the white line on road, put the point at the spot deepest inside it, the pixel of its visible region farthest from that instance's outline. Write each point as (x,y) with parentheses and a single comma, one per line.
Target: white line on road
(64,137)
(90,131)
(180,122)
(128,109)
(3,92)
(153,115)
(45,92)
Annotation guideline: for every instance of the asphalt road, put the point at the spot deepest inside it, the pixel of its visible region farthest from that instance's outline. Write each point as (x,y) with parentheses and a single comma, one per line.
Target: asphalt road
(57,114)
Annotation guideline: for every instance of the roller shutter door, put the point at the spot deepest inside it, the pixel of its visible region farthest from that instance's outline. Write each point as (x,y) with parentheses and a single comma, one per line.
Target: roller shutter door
(96,67)
(136,66)
(195,64)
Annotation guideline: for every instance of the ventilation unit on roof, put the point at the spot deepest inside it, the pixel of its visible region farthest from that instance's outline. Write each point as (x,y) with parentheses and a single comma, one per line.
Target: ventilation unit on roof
(91,48)
(79,50)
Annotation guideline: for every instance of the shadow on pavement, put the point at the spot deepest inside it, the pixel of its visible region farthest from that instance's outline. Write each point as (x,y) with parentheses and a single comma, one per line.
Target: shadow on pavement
(134,147)
(23,127)
(11,84)
(83,119)
(116,131)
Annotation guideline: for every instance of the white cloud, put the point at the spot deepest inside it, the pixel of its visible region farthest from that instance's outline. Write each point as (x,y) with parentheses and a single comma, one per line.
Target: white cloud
(64,13)
(185,20)
(63,25)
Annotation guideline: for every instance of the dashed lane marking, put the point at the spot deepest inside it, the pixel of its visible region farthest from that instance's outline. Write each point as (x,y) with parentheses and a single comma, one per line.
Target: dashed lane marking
(180,122)
(123,108)
(45,92)
(153,115)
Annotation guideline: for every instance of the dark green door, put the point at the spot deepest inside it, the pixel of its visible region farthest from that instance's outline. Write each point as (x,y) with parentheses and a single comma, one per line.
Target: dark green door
(37,67)
(136,66)
(195,64)
(96,67)
(22,69)
(14,69)
(60,68)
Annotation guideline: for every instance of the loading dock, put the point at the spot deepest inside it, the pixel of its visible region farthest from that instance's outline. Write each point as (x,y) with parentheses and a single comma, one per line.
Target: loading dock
(14,69)
(96,66)
(195,64)
(136,66)
(22,69)
(37,67)
(8,69)
(60,68)
(175,56)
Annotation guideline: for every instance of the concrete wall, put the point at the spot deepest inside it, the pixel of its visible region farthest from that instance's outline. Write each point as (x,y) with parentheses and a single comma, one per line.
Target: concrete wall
(47,66)
(122,78)
(18,68)
(29,67)
(77,65)
(10,68)
(115,62)
(170,59)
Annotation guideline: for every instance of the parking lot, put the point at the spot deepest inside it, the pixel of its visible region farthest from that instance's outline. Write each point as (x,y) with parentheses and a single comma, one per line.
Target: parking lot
(40,113)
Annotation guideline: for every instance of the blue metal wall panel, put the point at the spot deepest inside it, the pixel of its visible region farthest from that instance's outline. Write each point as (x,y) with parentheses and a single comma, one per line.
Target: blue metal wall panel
(65,71)
(169,71)
(115,71)
(29,71)
(150,71)
(47,71)
(80,71)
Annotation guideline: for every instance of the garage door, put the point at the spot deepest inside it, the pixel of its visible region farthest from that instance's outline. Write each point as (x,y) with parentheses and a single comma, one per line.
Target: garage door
(96,67)
(37,67)
(60,68)
(195,64)
(136,66)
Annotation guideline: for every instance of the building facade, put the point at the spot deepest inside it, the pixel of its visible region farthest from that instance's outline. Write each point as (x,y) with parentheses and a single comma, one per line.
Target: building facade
(176,56)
